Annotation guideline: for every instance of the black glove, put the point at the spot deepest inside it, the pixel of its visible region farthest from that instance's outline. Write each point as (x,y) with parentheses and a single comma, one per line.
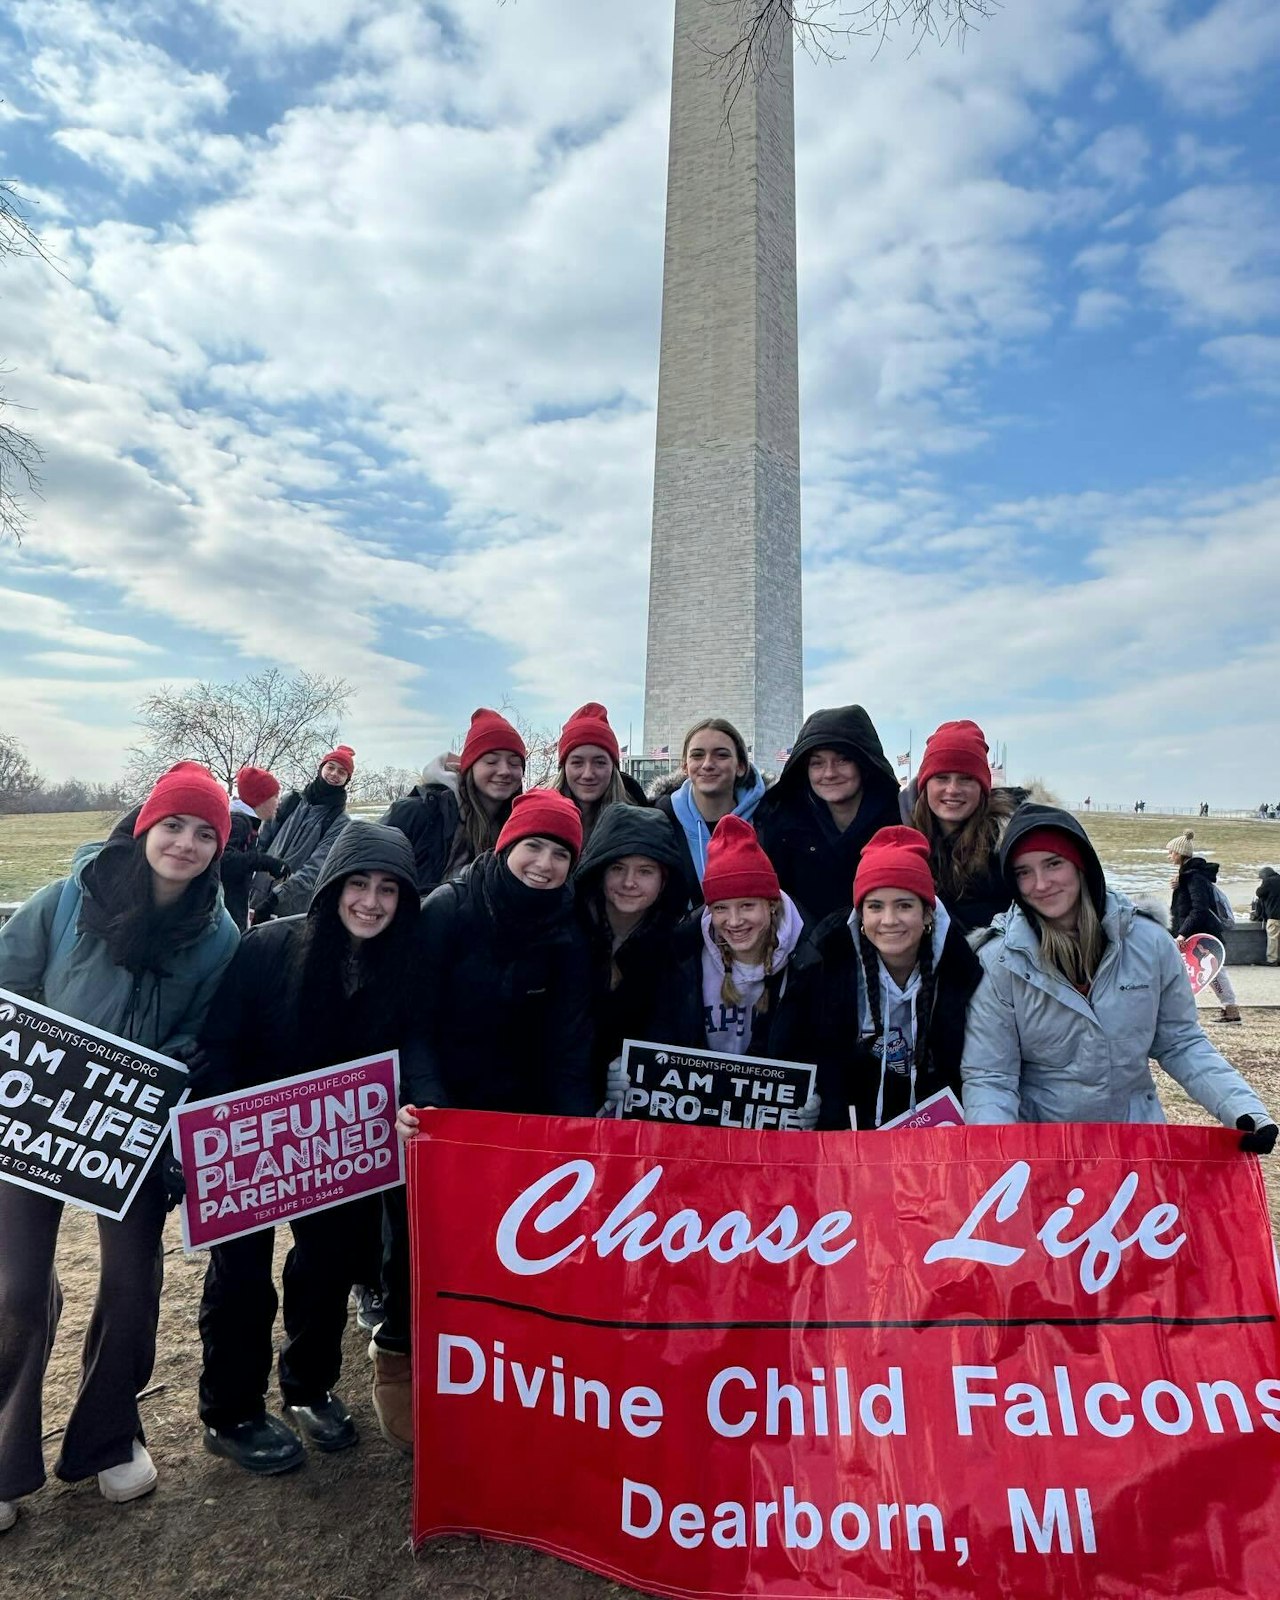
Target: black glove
(175,1185)
(278,869)
(1259,1138)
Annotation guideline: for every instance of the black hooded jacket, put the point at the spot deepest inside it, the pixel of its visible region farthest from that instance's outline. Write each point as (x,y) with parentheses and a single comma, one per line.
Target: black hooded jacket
(428,817)
(1193,908)
(814,861)
(1266,902)
(262,1025)
(644,963)
(848,1060)
(504,997)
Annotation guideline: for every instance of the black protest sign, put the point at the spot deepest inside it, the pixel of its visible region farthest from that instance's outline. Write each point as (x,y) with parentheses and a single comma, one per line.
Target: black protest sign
(704,1089)
(82,1113)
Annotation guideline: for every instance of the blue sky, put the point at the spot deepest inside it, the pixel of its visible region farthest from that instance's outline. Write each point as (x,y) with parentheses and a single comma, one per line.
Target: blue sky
(353,360)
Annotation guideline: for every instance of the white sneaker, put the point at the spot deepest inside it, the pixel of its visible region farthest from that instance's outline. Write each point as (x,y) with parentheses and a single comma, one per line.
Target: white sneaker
(8,1514)
(131,1480)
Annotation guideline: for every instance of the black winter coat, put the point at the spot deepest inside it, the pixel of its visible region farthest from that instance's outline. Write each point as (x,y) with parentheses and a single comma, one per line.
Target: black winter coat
(1266,903)
(504,1001)
(428,817)
(239,861)
(644,960)
(814,861)
(983,898)
(301,833)
(1194,909)
(849,1060)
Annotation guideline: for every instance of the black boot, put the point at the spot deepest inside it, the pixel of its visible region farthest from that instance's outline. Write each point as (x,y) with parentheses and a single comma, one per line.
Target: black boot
(262,1445)
(327,1424)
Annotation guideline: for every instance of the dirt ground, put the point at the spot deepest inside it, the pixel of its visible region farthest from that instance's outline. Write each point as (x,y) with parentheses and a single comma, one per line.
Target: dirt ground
(338,1528)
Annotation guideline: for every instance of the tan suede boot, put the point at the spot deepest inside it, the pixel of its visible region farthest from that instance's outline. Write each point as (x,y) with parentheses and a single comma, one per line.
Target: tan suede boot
(393,1397)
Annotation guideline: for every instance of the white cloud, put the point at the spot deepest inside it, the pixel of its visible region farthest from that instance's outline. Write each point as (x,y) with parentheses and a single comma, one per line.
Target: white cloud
(1118,156)
(1099,308)
(1207,64)
(1217,255)
(1252,358)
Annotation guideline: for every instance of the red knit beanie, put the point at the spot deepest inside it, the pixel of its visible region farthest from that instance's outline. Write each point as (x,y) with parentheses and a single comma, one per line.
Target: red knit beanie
(187,790)
(345,756)
(542,813)
(1058,840)
(737,867)
(490,731)
(956,747)
(255,786)
(895,858)
(589,724)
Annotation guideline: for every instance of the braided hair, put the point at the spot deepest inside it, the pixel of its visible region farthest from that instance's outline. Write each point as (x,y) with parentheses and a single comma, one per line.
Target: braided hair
(870,957)
(728,989)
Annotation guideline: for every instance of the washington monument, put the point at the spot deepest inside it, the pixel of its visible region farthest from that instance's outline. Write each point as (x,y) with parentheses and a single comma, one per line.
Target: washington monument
(724,583)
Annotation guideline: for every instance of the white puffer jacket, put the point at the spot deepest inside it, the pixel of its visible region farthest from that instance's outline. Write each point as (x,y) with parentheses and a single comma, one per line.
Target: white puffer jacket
(1036,1050)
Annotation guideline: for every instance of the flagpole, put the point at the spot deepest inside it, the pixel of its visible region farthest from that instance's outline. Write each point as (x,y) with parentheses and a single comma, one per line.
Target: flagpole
(910,746)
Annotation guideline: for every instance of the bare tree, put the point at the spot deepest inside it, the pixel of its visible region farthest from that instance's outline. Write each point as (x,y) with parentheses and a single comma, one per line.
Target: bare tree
(19,780)
(269,719)
(380,785)
(20,455)
(542,748)
(822,28)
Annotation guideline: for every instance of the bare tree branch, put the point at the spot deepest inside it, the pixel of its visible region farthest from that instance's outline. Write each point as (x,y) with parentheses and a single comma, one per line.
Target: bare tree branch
(20,456)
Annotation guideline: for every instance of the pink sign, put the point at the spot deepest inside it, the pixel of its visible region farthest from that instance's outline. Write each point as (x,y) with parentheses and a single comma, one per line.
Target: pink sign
(1204,958)
(263,1155)
(941,1110)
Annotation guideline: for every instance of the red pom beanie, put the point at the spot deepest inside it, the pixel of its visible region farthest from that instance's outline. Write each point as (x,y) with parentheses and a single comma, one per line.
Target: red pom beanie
(490,731)
(542,813)
(255,786)
(895,858)
(1058,840)
(344,755)
(187,790)
(737,867)
(956,747)
(589,724)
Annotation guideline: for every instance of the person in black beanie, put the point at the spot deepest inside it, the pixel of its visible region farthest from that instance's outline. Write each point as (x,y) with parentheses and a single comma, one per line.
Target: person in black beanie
(301,835)
(300,995)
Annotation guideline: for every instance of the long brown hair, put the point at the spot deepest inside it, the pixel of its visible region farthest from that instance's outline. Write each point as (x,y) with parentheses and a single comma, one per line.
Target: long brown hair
(958,859)
(481,831)
(1074,956)
(721,725)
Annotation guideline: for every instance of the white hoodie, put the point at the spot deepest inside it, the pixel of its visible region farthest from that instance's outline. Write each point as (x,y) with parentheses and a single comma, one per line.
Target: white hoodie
(897,1013)
(729,1027)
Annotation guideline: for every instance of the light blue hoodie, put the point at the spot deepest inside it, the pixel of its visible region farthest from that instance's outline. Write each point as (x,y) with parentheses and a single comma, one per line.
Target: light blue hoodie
(696,829)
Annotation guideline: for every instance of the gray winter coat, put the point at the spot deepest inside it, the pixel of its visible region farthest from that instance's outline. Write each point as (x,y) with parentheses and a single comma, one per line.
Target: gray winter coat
(1036,1050)
(75,974)
(303,840)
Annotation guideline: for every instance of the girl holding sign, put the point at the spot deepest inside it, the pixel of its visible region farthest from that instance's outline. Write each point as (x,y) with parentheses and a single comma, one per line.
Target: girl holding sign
(896,977)
(1197,908)
(302,994)
(503,996)
(1080,992)
(134,942)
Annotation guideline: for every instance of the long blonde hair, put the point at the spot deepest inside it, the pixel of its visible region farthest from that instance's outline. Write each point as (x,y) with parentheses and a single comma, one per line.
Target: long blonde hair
(1075,956)
(729,991)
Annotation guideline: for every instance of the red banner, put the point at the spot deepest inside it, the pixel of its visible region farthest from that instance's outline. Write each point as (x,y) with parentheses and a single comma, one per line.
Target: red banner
(959,1362)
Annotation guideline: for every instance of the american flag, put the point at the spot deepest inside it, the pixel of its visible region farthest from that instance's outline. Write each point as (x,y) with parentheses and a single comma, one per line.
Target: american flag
(662,752)
(624,750)
(783,753)
(905,761)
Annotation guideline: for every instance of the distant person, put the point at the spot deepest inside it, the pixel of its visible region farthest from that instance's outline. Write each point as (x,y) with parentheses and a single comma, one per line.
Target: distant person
(1080,992)
(953,804)
(256,800)
(1266,909)
(301,834)
(836,790)
(462,803)
(717,780)
(1194,909)
(134,942)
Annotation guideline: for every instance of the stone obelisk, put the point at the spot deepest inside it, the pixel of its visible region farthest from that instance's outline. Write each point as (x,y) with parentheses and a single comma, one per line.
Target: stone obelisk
(724,581)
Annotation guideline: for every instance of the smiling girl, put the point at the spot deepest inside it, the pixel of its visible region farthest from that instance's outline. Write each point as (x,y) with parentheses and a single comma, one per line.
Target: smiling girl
(300,995)
(134,942)
(590,771)
(719,781)
(1080,992)
(963,819)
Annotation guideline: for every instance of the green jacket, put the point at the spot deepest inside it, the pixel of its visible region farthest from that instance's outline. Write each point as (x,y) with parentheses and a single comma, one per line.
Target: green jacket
(73,972)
